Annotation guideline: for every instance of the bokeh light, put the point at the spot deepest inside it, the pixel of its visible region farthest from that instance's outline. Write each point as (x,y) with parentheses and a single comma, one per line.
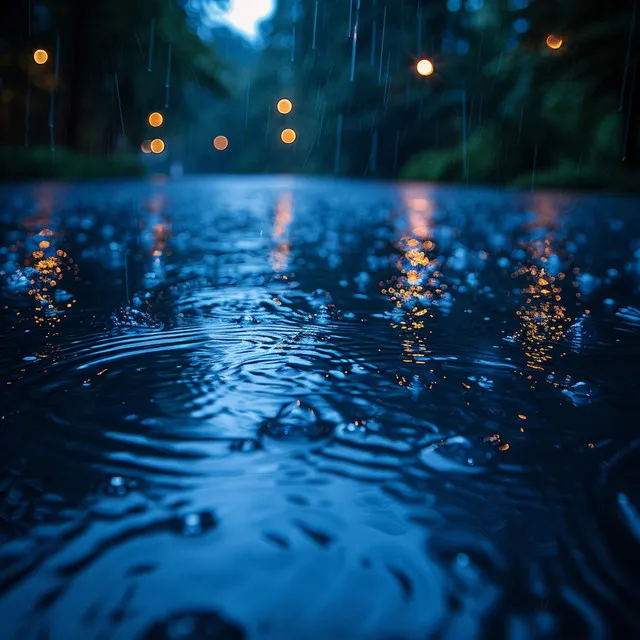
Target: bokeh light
(155,119)
(554,42)
(284,105)
(425,67)
(40,56)
(145,146)
(288,136)
(220,143)
(157,145)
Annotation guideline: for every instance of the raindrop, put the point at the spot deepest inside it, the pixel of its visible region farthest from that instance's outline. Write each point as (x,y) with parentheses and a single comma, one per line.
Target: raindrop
(354,43)
(581,393)
(384,27)
(449,456)
(128,317)
(336,160)
(297,421)
(315,26)
(167,82)
(152,31)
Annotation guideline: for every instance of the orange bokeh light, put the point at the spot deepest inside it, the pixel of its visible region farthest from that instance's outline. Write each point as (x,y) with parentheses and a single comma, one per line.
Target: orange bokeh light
(554,42)
(288,136)
(157,145)
(284,105)
(424,67)
(40,56)
(220,143)
(155,119)
(145,146)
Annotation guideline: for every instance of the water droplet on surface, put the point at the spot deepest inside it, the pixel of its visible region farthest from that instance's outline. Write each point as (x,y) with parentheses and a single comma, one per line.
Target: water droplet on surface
(450,455)
(193,626)
(297,421)
(581,393)
(117,486)
(128,317)
(195,524)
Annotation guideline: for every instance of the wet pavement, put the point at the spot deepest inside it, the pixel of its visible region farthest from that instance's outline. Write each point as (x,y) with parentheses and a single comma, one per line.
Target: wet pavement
(295,408)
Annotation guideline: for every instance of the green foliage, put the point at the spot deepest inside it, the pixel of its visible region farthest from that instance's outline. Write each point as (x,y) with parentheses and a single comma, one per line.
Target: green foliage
(100,41)
(484,148)
(41,163)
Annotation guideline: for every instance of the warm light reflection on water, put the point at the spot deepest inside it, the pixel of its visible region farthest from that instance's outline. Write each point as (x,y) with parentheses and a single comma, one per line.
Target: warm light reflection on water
(279,257)
(544,319)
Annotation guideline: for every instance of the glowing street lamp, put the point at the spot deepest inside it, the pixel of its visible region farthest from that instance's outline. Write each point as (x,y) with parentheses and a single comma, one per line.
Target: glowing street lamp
(424,67)
(157,145)
(288,136)
(40,56)
(155,119)
(553,41)
(220,143)
(284,105)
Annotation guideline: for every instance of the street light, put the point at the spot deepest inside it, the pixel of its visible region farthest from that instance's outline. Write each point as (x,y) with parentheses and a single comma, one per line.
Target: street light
(155,119)
(284,105)
(157,145)
(40,56)
(554,42)
(220,143)
(424,67)
(288,136)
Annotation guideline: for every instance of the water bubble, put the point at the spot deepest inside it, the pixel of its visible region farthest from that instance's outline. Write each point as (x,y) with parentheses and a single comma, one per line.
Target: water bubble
(195,524)
(462,560)
(192,525)
(117,486)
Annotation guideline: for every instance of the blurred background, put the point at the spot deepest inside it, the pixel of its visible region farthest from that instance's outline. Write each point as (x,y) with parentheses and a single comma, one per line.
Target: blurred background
(505,92)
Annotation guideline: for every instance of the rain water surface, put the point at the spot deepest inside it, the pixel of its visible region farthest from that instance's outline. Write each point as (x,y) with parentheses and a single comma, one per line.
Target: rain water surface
(278,408)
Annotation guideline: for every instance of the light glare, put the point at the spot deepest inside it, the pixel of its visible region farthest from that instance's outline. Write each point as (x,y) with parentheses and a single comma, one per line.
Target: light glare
(425,67)
(288,136)
(40,56)
(220,143)
(284,105)
(157,145)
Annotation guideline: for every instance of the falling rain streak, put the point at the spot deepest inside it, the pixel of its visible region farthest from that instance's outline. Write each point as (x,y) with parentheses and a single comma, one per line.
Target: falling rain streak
(293,42)
(625,73)
(167,82)
(336,159)
(315,26)
(354,43)
(625,141)
(52,96)
(119,102)
(27,104)
(373,155)
(152,31)
(464,135)
(384,27)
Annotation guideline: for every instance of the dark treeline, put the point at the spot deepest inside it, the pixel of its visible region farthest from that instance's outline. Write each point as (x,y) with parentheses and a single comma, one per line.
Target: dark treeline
(522,91)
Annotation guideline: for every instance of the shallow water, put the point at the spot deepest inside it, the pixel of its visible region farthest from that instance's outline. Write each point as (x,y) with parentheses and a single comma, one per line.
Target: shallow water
(277,408)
